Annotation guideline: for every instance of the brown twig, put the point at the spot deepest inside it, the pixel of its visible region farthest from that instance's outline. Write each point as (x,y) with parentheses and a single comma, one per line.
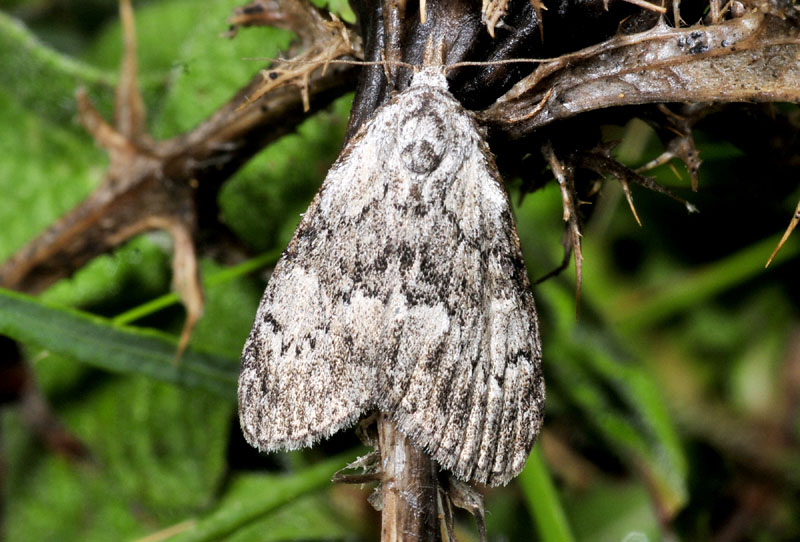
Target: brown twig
(409,489)
(758,51)
(164,178)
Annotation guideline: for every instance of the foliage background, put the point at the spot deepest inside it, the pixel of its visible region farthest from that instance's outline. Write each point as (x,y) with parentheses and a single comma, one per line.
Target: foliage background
(672,398)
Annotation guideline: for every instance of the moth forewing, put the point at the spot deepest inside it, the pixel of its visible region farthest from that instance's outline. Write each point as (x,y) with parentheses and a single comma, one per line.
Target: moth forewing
(403,289)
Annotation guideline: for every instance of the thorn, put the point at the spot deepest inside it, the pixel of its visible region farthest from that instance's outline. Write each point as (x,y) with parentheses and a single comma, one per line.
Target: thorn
(576,240)
(102,132)
(570,215)
(644,5)
(678,175)
(792,225)
(492,12)
(659,160)
(129,111)
(185,273)
(538,7)
(186,280)
(627,190)
(304,92)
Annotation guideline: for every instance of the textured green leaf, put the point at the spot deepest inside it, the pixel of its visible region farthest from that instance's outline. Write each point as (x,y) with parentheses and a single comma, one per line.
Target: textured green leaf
(310,517)
(161,30)
(44,171)
(32,63)
(339,7)
(138,270)
(230,310)
(209,68)
(157,455)
(263,203)
(259,496)
(95,341)
(51,500)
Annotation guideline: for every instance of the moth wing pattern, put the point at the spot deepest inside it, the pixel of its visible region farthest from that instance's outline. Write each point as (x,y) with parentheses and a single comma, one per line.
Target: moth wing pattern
(404,289)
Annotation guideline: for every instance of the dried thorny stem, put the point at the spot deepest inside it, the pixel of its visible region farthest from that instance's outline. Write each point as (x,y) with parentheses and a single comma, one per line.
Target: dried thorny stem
(159,184)
(602,164)
(493,11)
(758,51)
(414,502)
(681,145)
(323,38)
(162,179)
(156,185)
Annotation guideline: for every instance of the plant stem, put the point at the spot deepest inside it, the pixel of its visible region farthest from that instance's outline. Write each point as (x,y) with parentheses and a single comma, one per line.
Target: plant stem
(409,489)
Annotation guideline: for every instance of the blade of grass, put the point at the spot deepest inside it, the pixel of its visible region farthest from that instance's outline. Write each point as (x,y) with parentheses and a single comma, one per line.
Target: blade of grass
(667,462)
(542,500)
(96,341)
(221,277)
(637,311)
(618,397)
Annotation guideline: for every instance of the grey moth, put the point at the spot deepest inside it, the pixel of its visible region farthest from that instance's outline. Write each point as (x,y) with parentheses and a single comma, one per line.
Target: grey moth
(403,290)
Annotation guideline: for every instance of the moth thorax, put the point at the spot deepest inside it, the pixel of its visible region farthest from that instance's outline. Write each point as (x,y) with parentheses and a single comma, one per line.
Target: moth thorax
(423,142)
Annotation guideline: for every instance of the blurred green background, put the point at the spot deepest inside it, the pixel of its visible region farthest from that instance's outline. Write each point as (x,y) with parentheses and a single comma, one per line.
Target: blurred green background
(672,409)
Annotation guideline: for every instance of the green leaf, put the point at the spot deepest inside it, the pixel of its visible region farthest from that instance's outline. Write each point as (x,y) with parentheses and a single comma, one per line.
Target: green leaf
(613,512)
(210,69)
(138,270)
(45,170)
(162,28)
(596,373)
(158,454)
(44,80)
(95,341)
(311,517)
(264,201)
(589,367)
(543,501)
(253,497)
(230,309)
(338,7)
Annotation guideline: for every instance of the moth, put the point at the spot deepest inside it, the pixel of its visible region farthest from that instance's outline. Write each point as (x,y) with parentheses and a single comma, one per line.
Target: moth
(404,290)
